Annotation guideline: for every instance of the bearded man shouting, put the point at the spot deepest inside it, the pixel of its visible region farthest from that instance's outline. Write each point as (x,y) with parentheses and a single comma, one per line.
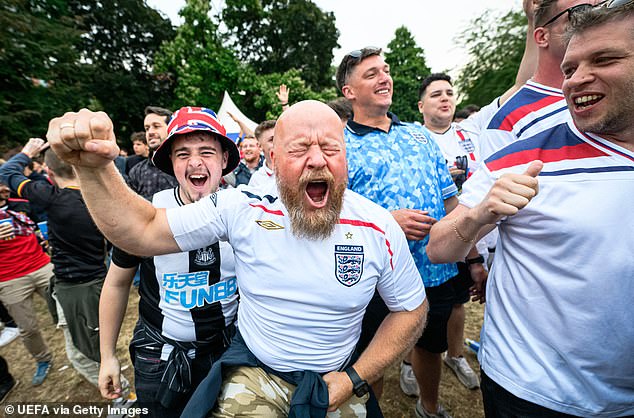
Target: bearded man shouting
(309,255)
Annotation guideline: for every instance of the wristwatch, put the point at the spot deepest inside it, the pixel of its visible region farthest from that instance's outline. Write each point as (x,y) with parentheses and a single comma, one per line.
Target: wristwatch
(359,387)
(475,260)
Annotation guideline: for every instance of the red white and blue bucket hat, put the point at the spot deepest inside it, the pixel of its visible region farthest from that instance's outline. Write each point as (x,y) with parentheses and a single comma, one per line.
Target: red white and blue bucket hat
(192,119)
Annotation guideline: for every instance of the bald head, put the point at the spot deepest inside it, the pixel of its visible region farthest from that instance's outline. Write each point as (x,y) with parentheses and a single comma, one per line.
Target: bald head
(305,117)
(309,159)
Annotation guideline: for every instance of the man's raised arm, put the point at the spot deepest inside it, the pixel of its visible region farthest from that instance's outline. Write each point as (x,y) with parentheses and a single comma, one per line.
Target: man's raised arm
(453,236)
(86,140)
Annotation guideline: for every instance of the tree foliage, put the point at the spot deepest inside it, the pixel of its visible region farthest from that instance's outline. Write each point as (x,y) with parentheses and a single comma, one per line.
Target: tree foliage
(495,46)
(259,97)
(196,60)
(39,76)
(275,36)
(60,55)
(408,68)
(118,43)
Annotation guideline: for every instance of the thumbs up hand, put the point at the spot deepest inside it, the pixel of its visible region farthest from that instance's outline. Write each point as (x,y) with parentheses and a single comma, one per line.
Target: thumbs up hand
(509,194)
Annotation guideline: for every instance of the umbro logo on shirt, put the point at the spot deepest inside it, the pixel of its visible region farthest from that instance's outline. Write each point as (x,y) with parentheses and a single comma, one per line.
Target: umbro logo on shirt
(269,225)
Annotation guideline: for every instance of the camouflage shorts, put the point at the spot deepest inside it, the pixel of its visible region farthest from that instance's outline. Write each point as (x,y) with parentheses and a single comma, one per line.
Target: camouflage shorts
(251,392)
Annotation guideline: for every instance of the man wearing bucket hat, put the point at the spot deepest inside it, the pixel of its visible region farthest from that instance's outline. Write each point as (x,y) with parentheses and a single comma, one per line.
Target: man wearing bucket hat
(188,300)
(309,254)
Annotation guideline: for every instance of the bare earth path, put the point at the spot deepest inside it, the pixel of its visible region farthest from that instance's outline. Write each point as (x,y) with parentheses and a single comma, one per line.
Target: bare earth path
(64,384)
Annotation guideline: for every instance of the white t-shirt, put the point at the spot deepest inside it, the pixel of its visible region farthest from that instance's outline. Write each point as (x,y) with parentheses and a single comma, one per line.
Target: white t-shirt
(302,301)
(558,328)
(263,177)
(461,138)
(454,143)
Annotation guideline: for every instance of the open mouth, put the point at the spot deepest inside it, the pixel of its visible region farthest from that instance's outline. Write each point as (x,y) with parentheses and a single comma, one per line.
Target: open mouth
(198,180)
(317,192)
(583,102)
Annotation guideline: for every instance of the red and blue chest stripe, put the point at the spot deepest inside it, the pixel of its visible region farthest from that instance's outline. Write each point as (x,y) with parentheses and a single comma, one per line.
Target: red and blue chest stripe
(557,144)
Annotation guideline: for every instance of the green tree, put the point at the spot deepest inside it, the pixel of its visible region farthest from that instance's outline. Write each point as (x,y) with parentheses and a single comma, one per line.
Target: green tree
(495,47)
(275,36)
(196,60)
(259,99)
(408,68)
(39,72)
(118,43)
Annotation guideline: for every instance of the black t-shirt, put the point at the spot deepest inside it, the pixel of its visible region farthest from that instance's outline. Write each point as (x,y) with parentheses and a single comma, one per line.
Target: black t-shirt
(79,248)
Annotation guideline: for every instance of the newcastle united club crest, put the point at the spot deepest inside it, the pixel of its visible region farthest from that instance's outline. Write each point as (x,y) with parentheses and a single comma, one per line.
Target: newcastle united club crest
(205,256)
(348,264)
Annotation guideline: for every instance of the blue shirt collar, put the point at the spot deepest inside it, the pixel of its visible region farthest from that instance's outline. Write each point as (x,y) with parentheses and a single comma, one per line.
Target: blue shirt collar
(360,129)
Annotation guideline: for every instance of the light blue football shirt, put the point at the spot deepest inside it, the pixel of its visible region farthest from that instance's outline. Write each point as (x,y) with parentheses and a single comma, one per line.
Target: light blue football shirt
(402,169)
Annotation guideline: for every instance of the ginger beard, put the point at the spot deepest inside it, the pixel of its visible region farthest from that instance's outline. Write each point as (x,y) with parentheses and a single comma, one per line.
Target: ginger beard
(307,222)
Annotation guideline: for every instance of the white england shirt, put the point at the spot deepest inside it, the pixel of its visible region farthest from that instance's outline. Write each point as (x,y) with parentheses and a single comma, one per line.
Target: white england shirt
(302,301)
(530,110)
(558,322)
(454,143)
(263,177)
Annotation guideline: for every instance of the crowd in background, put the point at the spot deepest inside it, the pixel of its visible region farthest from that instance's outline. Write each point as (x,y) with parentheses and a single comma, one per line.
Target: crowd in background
(414,218)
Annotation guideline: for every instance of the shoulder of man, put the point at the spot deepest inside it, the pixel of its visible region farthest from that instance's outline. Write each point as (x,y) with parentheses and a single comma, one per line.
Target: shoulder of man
(360,207)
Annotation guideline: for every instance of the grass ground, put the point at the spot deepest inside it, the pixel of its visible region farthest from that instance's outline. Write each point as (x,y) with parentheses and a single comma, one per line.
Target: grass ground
(64,384)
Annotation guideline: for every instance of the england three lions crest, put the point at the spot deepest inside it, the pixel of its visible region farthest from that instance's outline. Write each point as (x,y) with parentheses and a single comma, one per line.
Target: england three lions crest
(348,264)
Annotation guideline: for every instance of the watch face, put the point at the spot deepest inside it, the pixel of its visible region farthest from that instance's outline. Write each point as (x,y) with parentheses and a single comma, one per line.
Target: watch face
(361,388)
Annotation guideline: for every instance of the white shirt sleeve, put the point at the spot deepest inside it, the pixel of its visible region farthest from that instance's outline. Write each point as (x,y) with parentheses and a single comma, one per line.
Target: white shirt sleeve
(202,223)
(478,122)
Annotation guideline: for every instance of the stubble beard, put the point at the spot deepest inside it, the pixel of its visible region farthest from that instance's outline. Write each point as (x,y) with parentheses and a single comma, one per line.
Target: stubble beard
(316,224)
(617,118)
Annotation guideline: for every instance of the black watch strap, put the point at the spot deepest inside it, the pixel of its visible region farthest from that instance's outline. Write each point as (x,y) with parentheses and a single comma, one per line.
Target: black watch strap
(359,386)
(475,260)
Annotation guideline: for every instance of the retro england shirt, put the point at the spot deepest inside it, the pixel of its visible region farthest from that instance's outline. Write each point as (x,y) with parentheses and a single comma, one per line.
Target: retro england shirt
(302,301)
(533,108)
(559,297)
(402,169)
(461,138)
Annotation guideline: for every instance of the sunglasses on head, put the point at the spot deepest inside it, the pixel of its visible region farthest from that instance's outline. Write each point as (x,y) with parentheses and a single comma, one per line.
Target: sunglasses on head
(356,54)
(583,7)
(353,57)
(571,12)
(615,3)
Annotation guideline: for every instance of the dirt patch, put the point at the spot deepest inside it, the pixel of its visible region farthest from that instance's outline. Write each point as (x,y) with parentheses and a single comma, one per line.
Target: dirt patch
(64,384)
